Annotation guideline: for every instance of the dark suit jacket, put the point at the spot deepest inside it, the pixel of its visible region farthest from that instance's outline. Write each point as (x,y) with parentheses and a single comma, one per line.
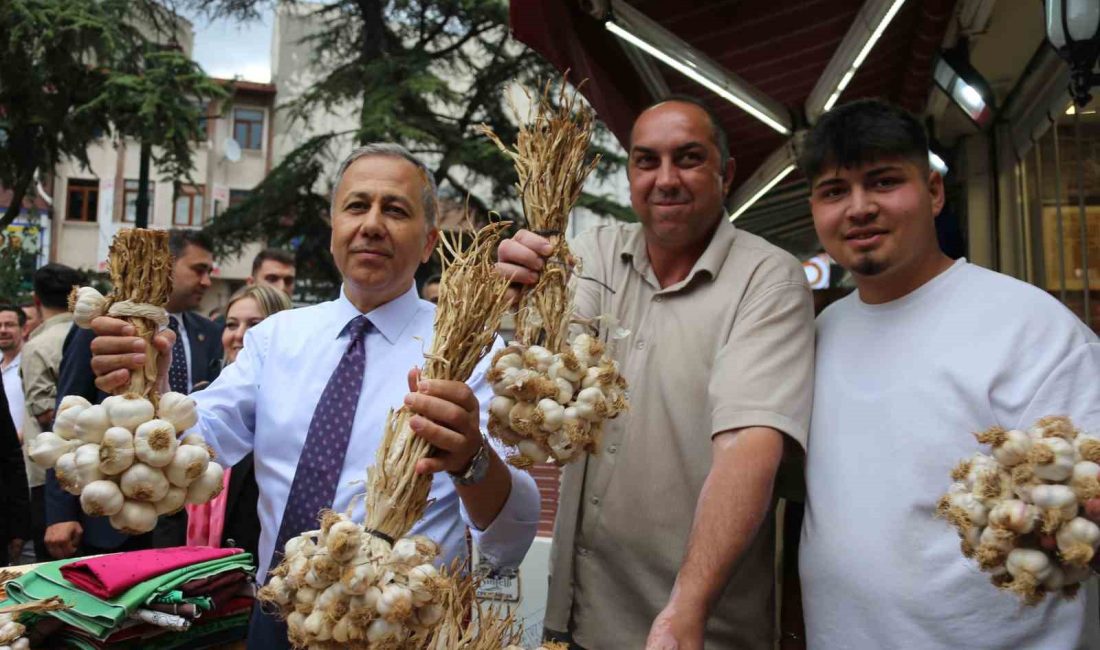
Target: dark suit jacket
(14,496)
(77,378)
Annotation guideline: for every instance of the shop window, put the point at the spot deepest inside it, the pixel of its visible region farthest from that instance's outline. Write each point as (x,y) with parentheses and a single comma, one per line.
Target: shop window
(130,196)
(82,200)
(188,208)
(248,127)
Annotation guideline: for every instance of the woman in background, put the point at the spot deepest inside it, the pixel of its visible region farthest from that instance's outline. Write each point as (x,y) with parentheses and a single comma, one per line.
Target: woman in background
(230,519)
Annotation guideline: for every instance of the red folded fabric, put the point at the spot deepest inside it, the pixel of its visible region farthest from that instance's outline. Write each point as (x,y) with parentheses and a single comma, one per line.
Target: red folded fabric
(108,576)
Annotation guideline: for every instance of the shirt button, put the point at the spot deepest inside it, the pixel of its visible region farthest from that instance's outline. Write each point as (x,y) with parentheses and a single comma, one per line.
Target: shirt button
(659,299)
(595,501)
(612,449)
(582,551)
(640,345)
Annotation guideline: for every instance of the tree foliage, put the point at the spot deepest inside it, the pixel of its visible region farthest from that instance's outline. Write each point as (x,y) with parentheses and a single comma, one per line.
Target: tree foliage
(77,70)
(420,72)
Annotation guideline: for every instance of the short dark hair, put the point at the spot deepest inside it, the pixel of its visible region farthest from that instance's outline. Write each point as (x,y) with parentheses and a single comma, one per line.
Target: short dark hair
(863,131)
(20,314)
(53,283)
(180,238)
(433,278)
(277,254)
(721,141)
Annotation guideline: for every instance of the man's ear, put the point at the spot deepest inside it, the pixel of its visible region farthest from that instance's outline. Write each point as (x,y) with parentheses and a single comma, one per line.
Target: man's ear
(935,189)
(727,176)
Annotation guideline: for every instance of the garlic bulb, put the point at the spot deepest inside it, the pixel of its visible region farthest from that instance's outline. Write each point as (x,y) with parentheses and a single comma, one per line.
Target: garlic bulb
(68,477)
(565,390)
(1055,426)
(537,358)
(86,458)
(64,423)
(116,452)
(1058,503)
(91,423)
(521,419)
(128,411)
(532,451)
(47,447)
(1010,448)
(551,414)
(501,406)
(1014,515)
(87,305)
(1078,540)
(179,410)
(143,483)
(1053,458)
(566,366)
(101,498)
(994,545)
(382,630)
(135,518)
(587,349)
(207,486)
(172,501)
(395,604)
(343,539)
(70,401)
(1086,480)
(187,464)
(1087,447)
(1028,568)
(155,443)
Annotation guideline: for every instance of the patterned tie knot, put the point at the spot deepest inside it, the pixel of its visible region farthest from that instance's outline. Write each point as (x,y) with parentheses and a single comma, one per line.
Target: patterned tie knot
(357,328)
(174,325)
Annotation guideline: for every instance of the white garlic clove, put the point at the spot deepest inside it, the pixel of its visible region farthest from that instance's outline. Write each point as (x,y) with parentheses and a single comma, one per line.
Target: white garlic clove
(144,483)
(70,401)
(88,304)
(128,411)
(86,458)
(116,451)
(91,424)
(155,442)
(64,423)
(101,498)
(207,486)
(174,500)
(135,518)
(188,463)
(68,477)
(47,447)
(178,409)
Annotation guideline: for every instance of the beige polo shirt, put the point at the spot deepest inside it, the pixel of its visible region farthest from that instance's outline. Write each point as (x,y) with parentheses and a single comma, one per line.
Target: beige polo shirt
(40,369)
(730,346)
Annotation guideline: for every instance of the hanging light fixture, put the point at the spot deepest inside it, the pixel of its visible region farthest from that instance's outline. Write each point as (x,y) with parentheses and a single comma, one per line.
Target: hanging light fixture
(1073,28)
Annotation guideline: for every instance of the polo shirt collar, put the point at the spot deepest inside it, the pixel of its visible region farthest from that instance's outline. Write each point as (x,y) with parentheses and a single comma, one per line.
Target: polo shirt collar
(710,262)
(390,319)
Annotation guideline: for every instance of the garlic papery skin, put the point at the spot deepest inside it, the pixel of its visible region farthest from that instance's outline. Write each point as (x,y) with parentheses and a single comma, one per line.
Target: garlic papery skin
(1014,515)
(965,510)
(1010,447)
(532,451)
(116,451)
(343,540)
(207,486)
(128,411)
(135,518)
(994,544)
(64,423)
(178,409)
(510,357)
(566,366)
(188,463)
(552,414)
(155,443)
(47,447)
(70,401)
(521,418)
(1028,568)
(101,498)
(86,458)
(67,475)
(501,407)
(1087,447)
(1053,458)
(565,391)
(173,501)
(1057,503)
(537,358)
(87,305)
(91,423)
(143,483)
(1077,541)
(429,614)
(395,603)
(1055,426)
(587,349)
(381,630)
(1086,480)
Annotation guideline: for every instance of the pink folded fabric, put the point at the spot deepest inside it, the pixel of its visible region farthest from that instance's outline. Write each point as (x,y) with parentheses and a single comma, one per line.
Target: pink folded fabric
(206,522)
(108,576)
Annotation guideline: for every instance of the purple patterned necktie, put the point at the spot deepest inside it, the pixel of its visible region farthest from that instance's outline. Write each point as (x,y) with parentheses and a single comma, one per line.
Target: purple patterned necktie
(178,379)
(322,459)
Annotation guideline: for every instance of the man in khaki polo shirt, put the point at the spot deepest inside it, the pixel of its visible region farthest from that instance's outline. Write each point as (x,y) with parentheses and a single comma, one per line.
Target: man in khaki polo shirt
(664,539)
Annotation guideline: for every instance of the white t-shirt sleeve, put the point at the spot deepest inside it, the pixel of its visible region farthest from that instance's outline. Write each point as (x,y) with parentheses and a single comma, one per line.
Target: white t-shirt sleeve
(1072,389)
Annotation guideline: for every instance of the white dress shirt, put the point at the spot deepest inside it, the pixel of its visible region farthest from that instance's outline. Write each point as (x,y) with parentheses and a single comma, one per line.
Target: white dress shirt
(264,402)
(13,389)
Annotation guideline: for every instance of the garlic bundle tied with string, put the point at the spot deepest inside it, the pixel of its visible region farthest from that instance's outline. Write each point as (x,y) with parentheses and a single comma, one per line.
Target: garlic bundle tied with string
(124,458)
(552,394)
(12,630)
(1019,512)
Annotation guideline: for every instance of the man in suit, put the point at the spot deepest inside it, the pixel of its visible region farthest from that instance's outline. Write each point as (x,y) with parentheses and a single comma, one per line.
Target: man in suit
(196,358)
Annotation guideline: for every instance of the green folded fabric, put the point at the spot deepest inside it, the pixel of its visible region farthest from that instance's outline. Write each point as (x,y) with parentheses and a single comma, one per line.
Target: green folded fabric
(100,617)
(197,636)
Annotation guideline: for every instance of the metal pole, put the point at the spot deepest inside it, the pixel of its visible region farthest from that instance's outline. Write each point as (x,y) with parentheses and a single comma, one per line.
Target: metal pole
(1059,220)
(141,218)
(1081,207)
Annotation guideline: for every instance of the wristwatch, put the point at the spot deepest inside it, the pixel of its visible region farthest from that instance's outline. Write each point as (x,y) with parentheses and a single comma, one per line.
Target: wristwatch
(477,469)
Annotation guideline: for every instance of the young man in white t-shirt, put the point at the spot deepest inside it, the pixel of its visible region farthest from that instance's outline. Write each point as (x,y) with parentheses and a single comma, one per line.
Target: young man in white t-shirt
(927,351)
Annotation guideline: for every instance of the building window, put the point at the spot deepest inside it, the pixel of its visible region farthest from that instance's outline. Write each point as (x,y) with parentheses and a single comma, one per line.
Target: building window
(237,197)
(129,199)
(248,127)
(188,210)
(83,200)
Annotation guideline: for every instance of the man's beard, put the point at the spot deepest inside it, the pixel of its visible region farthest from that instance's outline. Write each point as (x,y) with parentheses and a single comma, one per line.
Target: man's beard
(868,266)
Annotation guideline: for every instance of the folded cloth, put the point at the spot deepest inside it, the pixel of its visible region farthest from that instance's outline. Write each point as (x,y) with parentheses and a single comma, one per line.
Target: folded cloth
(108,576)
(100,617)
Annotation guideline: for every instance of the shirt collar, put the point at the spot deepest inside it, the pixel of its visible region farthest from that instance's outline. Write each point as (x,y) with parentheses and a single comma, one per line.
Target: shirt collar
(710,262)
(390,319)
(64,318)
(14,362)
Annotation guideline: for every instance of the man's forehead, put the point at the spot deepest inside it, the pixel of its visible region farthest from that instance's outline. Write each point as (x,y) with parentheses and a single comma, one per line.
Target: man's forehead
(671,124)
(835,169)
(275,265)
(383,171)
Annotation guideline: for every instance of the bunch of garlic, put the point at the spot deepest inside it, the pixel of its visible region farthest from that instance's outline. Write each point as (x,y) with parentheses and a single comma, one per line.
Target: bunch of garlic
(125,459)
(11,633)
(1031,490)
(342,585)
(552,406)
